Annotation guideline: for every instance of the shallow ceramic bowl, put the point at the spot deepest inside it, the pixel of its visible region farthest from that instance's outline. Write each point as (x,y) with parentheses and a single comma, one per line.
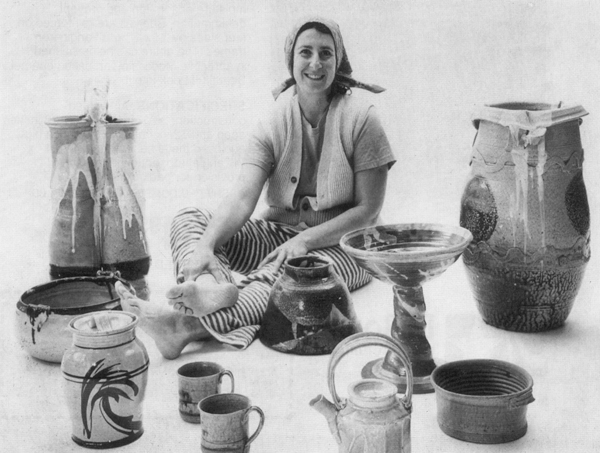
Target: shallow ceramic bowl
(482,401)
(43,312)
(406,254)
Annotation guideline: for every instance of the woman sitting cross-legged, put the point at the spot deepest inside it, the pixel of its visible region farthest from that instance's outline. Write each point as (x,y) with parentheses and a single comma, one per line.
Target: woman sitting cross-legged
(323,156)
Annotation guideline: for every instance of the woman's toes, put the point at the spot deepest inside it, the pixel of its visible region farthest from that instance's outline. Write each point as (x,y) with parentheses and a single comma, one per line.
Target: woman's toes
(121,290)
(175,291)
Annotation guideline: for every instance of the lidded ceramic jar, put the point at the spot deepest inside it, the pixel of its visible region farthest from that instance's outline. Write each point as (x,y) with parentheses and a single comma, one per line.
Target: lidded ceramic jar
(106,372)
(309,310)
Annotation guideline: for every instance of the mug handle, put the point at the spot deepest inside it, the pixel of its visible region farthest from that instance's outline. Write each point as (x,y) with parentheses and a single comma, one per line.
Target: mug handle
(230,374)
(260,423)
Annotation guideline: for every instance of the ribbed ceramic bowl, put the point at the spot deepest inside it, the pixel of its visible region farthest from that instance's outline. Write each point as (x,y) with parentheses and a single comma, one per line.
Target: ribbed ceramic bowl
(43,312)
(482,400)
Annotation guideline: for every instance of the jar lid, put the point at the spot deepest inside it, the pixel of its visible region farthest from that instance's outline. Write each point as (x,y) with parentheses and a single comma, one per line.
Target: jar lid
(528,116)
(103,323)
(372,393)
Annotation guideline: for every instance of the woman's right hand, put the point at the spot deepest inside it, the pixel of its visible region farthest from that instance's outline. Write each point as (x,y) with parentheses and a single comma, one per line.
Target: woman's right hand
(201,261)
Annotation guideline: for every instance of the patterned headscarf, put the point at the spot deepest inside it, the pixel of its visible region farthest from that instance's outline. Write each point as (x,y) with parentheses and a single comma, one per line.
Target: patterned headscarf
(343,74)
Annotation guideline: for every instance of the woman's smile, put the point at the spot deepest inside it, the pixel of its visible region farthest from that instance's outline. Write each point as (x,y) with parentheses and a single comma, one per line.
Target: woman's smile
(314,62)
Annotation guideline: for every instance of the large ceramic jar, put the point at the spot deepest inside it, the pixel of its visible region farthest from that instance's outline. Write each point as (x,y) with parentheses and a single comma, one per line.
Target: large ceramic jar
(97,201)
(105,371)
(526,206)
(309,310)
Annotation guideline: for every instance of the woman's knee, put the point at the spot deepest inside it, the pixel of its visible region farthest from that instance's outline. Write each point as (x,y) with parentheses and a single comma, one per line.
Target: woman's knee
(190,218)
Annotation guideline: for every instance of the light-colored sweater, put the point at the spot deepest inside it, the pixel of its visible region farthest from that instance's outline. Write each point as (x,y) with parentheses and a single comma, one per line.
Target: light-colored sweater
(277,147)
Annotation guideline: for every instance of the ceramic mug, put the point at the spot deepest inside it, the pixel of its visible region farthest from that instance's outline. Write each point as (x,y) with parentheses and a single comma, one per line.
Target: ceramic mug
(197,380)
(224,420)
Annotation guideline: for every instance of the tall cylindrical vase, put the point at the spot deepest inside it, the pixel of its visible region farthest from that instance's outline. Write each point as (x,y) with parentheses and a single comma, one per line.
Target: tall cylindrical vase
(105,372)
(526,206)
(97,205)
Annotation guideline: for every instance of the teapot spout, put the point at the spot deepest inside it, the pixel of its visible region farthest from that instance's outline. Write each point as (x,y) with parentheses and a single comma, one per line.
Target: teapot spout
(329,411)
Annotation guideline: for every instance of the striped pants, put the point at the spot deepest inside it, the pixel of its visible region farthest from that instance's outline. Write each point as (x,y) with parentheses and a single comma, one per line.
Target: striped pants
(238,325)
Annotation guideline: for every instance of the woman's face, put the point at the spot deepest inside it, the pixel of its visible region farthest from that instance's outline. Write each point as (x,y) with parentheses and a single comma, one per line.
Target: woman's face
(314,62)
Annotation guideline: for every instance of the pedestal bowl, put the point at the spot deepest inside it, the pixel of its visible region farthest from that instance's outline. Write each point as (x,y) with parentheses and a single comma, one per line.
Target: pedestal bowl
(407,256)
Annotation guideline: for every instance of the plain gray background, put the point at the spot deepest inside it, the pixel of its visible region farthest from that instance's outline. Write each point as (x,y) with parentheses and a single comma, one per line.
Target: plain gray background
(198,74)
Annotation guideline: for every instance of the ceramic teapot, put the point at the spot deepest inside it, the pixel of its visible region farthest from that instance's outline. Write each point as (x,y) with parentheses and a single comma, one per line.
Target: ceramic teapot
(374,418)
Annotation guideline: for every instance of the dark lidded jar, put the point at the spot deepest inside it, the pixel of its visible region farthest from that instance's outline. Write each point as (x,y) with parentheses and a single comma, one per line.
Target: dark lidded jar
(309,310)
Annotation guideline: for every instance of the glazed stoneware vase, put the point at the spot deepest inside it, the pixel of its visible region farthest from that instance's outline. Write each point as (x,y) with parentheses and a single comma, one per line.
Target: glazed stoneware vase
(105,375)
(97,204)
(526,206)
(309,310)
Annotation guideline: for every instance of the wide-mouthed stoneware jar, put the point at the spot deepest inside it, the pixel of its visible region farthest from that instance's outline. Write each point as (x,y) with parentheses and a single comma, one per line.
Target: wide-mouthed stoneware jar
(526,206)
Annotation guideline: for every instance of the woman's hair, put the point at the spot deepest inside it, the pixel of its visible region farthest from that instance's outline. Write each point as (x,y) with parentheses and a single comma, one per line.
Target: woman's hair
(336,87)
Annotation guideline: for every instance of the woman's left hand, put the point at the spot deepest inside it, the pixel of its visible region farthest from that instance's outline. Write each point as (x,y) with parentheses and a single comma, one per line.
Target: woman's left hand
(289,249)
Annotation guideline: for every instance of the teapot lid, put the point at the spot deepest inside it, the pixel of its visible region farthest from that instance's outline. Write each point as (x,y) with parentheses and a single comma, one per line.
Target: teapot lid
(372,393)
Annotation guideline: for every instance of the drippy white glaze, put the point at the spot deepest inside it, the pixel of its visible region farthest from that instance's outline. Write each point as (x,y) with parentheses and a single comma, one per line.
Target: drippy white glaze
(72,160)
(76,158)
(525,142)
(123,172)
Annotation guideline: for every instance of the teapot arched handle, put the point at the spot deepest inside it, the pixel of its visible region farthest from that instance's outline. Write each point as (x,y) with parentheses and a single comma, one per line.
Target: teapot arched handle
(362,339)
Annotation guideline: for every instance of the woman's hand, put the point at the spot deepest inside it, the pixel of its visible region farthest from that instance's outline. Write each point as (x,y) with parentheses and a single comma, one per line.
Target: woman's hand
(295,246)
(202,261)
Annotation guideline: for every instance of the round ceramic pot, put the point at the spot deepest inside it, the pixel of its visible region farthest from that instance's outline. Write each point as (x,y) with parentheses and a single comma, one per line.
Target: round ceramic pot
(43,313)
(97,204)
(105,375)
(483,401)
(309,310)
(526,206)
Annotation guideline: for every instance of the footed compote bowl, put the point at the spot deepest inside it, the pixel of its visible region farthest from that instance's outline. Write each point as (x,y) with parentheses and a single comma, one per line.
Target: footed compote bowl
(406,256)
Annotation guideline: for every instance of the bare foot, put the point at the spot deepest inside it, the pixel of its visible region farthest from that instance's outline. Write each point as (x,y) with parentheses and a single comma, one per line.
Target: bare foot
(170,330)
(203,296)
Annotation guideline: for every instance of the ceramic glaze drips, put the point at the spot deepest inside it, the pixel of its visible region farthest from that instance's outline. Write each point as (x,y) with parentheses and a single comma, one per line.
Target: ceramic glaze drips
(526,206)
(87,156)
(97,205)
(524,144)
(122,166)
(73,160)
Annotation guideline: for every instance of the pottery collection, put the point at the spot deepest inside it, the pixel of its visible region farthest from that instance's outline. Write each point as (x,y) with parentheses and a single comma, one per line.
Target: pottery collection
(524,237)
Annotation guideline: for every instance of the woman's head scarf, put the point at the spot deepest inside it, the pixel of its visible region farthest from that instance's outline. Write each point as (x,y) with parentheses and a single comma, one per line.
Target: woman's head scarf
(343,74)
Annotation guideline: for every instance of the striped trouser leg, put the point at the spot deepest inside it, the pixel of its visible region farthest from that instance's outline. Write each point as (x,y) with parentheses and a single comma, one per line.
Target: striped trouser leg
(238,325)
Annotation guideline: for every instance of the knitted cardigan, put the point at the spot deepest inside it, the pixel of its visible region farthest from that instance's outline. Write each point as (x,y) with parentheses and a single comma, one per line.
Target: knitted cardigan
(335,177)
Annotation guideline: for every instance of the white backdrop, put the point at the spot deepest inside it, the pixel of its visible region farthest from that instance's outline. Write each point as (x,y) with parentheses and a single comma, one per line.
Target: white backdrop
(199,73)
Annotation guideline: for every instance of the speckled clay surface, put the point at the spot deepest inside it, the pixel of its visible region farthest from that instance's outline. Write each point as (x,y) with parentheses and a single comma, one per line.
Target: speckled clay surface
(526,205)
